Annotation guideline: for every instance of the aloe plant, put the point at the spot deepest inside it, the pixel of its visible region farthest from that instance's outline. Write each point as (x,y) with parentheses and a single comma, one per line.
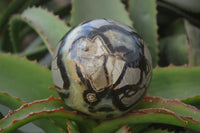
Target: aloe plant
(30,31)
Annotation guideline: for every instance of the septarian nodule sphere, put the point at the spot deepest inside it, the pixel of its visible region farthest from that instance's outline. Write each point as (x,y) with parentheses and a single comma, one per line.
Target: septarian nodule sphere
(101,68)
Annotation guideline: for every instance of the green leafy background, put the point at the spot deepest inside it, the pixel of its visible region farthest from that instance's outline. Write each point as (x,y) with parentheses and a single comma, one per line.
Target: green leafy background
(30,31)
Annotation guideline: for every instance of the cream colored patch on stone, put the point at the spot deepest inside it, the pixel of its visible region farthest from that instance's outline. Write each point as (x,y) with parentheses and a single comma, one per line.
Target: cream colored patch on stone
(87,48)
(98,80)
(75,99)
(101,46)
(117,69)
(131,77)
(109,66)
(71,66)
(91,65)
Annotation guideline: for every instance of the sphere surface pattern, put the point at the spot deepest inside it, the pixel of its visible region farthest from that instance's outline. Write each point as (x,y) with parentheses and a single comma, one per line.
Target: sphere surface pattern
(101,68)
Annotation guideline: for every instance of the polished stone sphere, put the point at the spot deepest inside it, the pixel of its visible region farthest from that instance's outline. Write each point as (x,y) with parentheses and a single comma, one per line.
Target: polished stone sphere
(101,68)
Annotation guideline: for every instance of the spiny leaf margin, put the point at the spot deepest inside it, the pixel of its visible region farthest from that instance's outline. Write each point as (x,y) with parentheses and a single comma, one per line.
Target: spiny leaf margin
(46,108)
(13,7)
(14,103)
(29,82)
(97,9)
(156,110)
(48,26)
(188,5)
(139,117)
(145,23)
(175,82)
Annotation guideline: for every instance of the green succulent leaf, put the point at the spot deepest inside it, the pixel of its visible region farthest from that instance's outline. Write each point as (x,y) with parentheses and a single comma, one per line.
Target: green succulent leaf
(173,105)
(10,101)
(24,84)
(139,117)
(1,115)
(195,101)
(123,129)
(24,79)
(181,45)
(174,45)
(93,9)
(138,128)
(175,28)
(175,12)
(2,6)
(174,49)
(175,82)
(188,5)
(60,122)
(63,11)
(5,40)
(47,108)
(48,126)
(14,103)
(13,7)
(72,127)
(153,130)
(34,50)
(49,27)
(194,43)
(143,13)
(156,110)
